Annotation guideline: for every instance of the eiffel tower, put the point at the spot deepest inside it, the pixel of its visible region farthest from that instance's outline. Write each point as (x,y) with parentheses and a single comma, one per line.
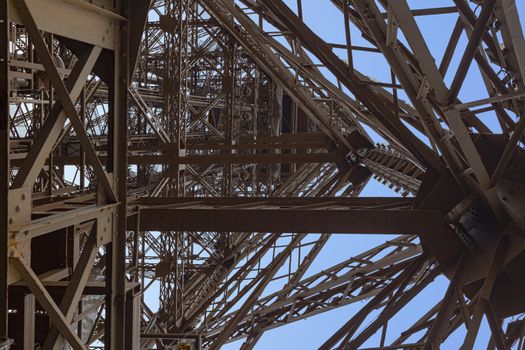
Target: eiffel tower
(196,174)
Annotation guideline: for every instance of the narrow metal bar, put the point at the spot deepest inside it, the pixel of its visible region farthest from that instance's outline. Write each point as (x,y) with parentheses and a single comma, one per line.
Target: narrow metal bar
(509,150)
(473,45)
(4,163)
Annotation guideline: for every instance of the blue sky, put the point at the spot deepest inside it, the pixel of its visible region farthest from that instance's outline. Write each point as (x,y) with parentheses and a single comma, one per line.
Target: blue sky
(327,22)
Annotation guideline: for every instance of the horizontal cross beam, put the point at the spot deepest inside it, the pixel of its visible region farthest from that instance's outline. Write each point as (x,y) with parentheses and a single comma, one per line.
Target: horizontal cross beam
(287,215)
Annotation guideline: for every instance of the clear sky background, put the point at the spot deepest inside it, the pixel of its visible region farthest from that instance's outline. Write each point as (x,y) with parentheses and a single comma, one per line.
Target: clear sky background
(327,22)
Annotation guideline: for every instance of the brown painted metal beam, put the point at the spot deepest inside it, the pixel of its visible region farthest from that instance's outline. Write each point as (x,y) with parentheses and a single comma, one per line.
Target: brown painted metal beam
(4,163)
(472,46)
(247,202)
(332,220)
(264,158)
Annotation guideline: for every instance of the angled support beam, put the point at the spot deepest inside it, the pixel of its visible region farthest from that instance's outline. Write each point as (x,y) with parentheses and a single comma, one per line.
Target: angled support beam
(64,97)
(510,148)
(73,293)
(202,181)
(422,323)
(393,307)
(350,327)
(325,291)
(269,272)
(453,117)
(322,50)
(485,293)
(495,326)
(472,46)
(238,275)
(440,324)
(512,22)
(451,48)
(255,43)
(201,114)
(150,117)
(46,301)
(252,340)
(54,124)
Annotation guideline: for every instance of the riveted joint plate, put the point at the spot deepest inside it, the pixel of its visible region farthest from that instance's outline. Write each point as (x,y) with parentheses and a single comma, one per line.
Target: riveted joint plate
(19,208)
(105,224)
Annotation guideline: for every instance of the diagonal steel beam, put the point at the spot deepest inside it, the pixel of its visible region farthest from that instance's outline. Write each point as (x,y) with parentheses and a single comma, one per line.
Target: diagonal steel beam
(473,45)
(453,117)
(393,307)
(78,281)
(496,261)
(335,287)
(256,46)
(64,97)
(448,304)
(53,126)
(362,92)
(495,326)
(269,272)
(350,327)
(46,301)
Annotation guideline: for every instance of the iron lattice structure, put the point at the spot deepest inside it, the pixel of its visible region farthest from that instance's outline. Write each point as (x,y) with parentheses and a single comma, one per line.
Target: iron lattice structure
(172,171)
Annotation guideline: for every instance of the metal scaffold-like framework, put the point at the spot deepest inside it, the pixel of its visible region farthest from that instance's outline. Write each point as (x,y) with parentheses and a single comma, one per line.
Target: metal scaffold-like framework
(172,172)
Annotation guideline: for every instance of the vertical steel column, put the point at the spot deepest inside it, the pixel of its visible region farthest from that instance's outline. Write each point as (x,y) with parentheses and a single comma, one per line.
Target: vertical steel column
(4,162)
(229,110)
(29,322)
(181,88)
(119,131)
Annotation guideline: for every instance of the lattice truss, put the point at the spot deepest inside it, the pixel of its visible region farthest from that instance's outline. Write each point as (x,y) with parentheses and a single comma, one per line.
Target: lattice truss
(174,172)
